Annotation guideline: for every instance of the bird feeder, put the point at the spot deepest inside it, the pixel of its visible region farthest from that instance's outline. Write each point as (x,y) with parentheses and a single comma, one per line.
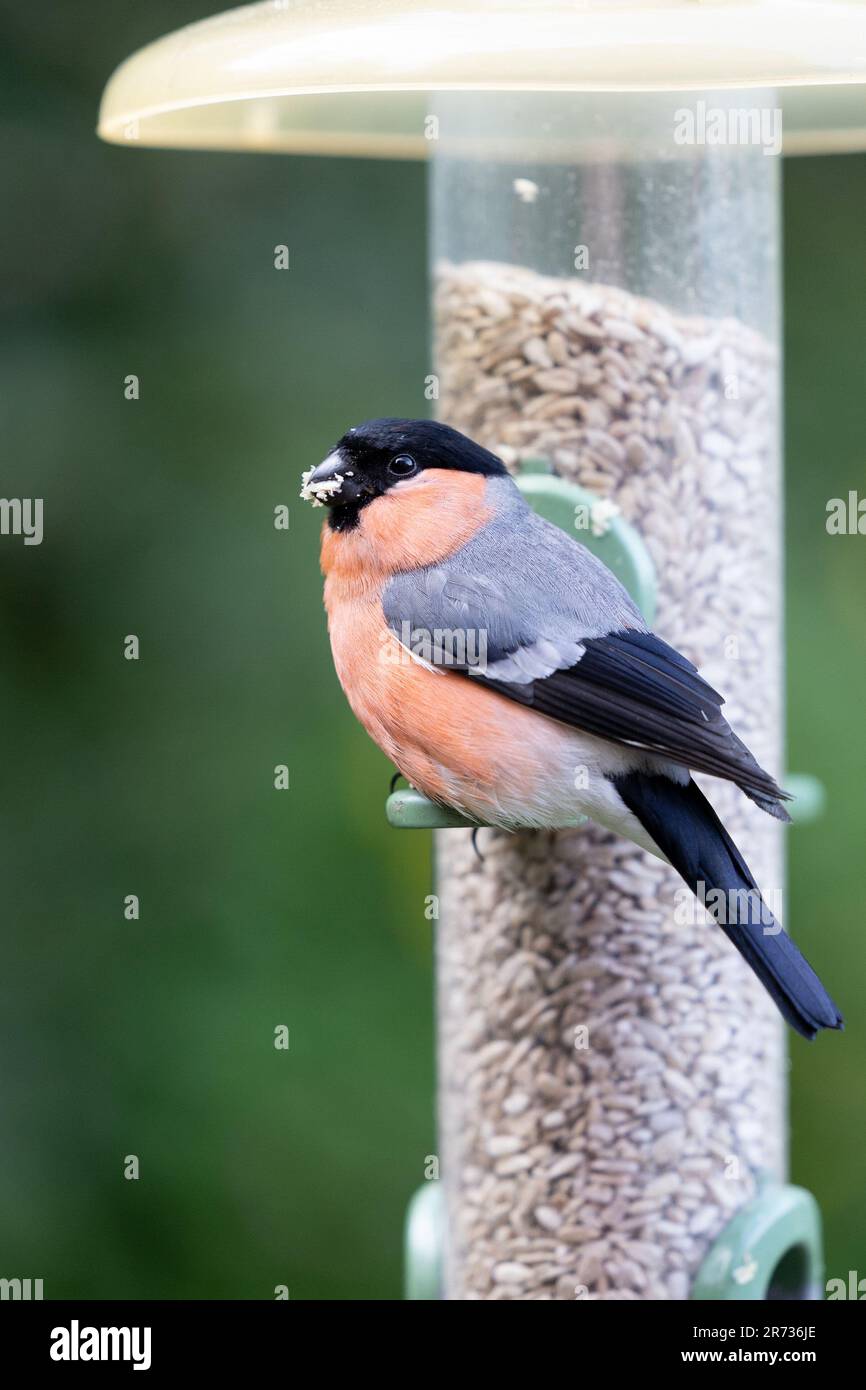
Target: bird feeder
(605,259)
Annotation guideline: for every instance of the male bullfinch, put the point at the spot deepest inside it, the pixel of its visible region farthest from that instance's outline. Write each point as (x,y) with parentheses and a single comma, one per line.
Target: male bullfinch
(490,655)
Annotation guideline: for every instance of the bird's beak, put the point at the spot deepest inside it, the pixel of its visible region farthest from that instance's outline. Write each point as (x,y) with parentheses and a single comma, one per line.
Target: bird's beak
(324,485)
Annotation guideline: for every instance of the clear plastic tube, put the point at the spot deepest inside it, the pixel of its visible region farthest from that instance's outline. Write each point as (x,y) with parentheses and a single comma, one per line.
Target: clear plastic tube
(611,1076)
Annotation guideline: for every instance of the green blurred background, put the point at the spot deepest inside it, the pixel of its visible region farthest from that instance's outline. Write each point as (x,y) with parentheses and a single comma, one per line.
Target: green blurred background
(258,907)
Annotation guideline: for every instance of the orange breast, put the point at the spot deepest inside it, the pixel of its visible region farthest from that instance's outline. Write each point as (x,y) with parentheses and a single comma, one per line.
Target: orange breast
(453,739)
(415,523)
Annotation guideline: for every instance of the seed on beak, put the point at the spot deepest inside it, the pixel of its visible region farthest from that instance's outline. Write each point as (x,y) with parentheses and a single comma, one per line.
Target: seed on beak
(319,485)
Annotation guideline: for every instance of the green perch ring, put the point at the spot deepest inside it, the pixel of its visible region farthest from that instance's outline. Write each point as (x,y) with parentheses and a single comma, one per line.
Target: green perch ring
(770,1250)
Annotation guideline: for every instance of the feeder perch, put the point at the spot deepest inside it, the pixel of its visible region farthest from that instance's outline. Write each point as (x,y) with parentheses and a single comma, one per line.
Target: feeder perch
(771,1250)
(423,1244)
(605,256)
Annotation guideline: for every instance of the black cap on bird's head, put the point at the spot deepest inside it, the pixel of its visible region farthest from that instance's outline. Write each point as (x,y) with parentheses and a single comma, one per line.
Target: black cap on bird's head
(376,456)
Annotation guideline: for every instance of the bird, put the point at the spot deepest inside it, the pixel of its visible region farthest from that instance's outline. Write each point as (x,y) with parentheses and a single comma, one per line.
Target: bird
(489,654)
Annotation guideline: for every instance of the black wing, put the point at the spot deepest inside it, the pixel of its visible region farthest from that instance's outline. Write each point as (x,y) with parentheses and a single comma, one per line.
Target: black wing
(563,636)
(632,688)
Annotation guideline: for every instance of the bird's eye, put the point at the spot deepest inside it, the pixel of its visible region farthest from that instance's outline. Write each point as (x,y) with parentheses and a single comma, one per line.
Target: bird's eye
(402,466)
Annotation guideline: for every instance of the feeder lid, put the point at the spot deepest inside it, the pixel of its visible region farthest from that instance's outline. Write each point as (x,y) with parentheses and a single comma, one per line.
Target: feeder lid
(350,76)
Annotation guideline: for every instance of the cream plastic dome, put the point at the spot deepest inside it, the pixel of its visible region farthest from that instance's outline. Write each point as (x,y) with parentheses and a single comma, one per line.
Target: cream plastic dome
(352,76)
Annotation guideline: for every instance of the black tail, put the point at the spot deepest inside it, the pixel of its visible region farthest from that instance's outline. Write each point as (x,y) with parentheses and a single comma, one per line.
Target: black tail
(689,833)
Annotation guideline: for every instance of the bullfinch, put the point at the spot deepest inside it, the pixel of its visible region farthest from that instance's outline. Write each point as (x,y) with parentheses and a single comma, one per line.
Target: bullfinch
(490,655)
